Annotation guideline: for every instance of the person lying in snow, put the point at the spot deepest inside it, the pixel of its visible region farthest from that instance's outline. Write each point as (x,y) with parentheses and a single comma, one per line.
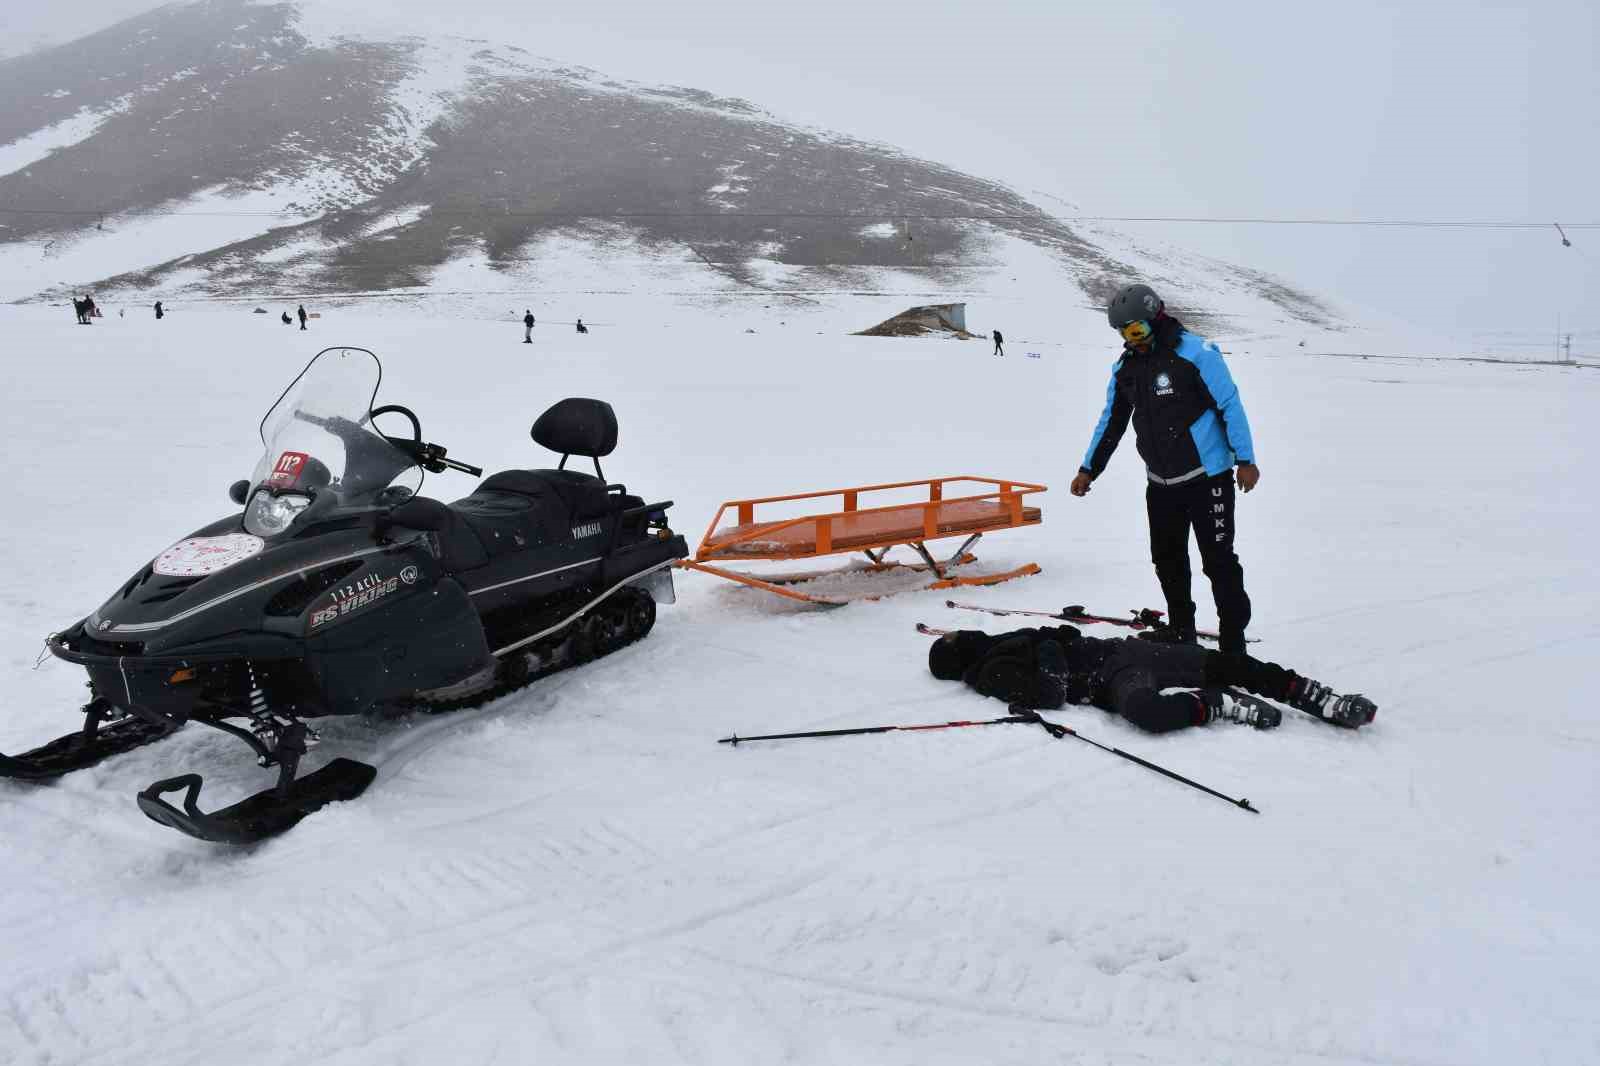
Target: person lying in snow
(1044,668)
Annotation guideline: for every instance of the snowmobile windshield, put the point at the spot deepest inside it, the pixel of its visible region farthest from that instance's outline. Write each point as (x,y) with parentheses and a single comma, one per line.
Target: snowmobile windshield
(319,436)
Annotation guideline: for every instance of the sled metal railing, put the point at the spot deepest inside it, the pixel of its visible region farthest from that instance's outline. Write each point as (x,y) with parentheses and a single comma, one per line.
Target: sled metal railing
(940,515)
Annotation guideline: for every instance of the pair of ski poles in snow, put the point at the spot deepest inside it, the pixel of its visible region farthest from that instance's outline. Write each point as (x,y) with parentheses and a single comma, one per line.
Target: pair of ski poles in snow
(1018,715)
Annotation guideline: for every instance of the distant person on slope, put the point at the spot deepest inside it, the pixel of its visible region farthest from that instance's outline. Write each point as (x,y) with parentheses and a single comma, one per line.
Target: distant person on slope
(160,314)
(999,342)
(1191,431)
(581,327)
(302,316)
(527,327)
(1046,668)
(287,320)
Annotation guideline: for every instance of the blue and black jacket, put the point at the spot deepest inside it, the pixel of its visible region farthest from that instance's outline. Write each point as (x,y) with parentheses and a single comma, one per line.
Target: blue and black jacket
(1187,418)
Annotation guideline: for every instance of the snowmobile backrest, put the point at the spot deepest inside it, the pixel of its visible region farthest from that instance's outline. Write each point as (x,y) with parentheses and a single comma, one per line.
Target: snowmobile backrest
(578,426)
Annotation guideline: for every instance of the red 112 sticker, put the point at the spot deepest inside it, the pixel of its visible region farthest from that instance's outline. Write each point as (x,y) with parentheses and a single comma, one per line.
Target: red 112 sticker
(287,470)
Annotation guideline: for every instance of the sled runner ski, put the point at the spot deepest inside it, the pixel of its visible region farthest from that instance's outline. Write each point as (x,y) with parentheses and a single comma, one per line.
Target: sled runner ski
(988,505)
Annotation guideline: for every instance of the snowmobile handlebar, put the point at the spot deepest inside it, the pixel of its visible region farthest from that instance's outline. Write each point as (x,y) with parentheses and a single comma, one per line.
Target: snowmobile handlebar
(431,457)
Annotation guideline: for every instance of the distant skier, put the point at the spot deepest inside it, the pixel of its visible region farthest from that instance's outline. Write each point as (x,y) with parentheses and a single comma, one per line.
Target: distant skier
(303,316)
(1048,667)
(527,327)
(1191,431)
(581,327)
(81,308)
(287,320)
(999,342)
(160,314)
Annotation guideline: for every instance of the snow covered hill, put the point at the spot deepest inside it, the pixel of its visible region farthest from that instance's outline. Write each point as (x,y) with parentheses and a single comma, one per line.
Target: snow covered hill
(224,148)
(580,874)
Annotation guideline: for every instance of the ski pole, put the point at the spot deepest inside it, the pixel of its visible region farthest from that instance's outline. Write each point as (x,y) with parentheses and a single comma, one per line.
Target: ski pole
(1058,731)
(736,740)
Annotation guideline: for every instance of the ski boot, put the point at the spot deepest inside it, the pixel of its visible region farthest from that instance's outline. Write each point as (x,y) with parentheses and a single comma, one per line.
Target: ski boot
(1226,705)
(1170,632)
(1313,697)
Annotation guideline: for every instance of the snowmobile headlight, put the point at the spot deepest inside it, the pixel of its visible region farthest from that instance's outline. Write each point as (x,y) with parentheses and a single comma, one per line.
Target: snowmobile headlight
(269,515)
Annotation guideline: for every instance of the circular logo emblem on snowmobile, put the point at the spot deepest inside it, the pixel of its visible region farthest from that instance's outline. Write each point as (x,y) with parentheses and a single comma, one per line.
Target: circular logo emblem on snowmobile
(199,556)
(408,574)
(1163,382)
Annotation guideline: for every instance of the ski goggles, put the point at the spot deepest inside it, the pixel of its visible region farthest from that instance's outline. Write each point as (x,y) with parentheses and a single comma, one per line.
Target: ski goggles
(1136,332)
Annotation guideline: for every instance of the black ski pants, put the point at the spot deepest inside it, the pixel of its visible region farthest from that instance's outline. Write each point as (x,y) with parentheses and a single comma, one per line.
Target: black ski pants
(1206,505)
(1134,676)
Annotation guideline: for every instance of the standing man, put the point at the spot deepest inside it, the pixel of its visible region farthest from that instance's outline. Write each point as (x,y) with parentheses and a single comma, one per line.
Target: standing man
(527,326)
(999,342)
(302,316)
(1191,432)
(160,314)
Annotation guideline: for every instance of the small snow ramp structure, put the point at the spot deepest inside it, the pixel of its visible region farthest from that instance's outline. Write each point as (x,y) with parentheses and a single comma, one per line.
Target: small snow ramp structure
(991,504)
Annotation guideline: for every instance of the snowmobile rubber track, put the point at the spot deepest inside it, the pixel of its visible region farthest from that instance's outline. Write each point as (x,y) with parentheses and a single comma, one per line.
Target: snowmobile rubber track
(257,817)
(75,751)
(573,633)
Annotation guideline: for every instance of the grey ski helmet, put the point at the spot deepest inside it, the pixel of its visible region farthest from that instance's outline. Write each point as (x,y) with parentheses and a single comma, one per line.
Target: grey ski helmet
(1133,303)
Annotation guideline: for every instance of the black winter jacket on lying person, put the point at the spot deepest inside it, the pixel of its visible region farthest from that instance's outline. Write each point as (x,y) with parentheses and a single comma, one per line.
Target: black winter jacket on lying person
(1048,667)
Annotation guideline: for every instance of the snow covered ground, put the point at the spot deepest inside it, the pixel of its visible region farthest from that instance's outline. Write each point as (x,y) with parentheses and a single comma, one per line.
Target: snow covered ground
(580,874)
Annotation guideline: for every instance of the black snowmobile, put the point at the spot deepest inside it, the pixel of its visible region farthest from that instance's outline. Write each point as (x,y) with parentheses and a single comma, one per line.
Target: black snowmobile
(338,590)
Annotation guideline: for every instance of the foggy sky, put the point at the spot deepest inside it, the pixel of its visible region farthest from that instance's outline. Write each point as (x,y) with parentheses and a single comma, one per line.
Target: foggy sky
(1359,109)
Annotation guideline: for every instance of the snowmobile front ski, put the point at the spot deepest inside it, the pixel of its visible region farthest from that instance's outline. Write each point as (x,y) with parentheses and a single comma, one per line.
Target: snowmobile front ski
(257,817)
(97,740)
(1142,619)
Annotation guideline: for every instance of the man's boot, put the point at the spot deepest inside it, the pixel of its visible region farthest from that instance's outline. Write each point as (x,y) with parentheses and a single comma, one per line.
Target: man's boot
(1175,631)
(1225,705)
(1313,697)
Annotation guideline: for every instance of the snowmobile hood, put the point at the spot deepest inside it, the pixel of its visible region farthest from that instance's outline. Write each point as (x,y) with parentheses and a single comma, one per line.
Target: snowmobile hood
(220,580)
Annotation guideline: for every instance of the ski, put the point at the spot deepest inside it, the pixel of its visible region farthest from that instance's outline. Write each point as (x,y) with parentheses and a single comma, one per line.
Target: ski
(105,733)
(931,631)
(1142,619)
(265,814)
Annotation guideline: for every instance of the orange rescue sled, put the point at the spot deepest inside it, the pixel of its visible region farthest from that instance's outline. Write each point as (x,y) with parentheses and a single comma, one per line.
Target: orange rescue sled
(870,530)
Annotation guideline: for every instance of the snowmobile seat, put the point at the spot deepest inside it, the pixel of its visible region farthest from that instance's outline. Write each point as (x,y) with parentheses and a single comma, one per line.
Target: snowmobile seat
(574,426)
(500,523)
(583,495)
(460,547)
